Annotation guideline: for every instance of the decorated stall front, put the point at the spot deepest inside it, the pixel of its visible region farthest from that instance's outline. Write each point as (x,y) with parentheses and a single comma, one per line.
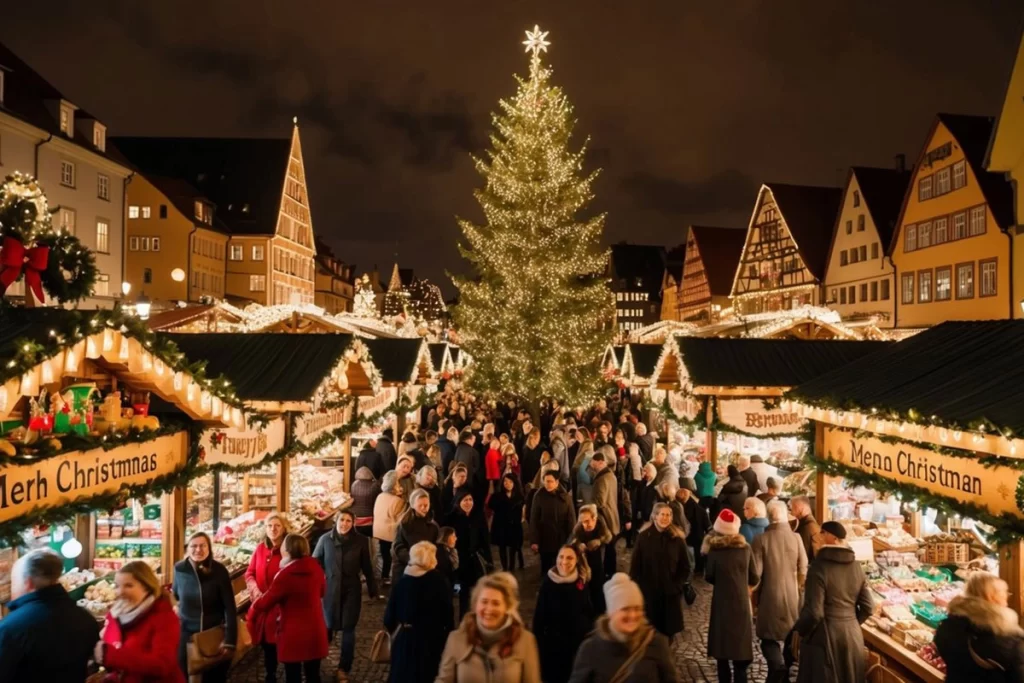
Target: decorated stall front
(98,429)
(721,397)
(918,452)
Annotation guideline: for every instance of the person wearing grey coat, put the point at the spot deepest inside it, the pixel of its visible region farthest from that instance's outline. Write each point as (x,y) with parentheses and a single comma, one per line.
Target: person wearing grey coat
(837,601)
(730,569)
(781,562)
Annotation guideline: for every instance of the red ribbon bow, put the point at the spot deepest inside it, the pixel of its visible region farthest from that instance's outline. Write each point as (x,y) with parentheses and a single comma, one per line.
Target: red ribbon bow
(15,258)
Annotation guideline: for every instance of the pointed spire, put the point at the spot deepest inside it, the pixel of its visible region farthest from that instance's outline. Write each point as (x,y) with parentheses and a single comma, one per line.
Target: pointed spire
(395,285)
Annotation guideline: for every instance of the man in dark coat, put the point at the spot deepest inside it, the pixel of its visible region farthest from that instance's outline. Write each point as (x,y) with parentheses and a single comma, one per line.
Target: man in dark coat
(552,519)
(697,521)
(734,493)
(46,636)
(807,526)
(386,448)
(467,455)
(749,476)
(370,458)
(343,554)
(645,441)
(446,442)
(837,601)
(730,569)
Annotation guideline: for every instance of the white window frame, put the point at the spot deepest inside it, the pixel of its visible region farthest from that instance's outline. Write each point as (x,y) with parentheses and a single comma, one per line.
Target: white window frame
(155,243)
(147,212)
(910,238)
(67,173)
(965,283)
(907,281)
(99,136)
(924,287)
(67,220)
(133,212)
(67,119)
(925,188)
(943,181)
(257,283)
(257,252)
(237,253)
(941,222)
(960,174)
(102,286)
(943,283)
(103,186)
(144,243)
(987,274)
(961,218)
(976,212)
(103,235)
(924,235)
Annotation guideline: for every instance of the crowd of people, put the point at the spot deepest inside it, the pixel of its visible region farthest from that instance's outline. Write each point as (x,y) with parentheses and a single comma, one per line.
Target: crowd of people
(423,520)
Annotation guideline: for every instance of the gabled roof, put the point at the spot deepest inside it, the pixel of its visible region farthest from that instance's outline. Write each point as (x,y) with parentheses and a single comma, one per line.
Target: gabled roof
(644,261)
(643,359)
(675,259)
(720,251)
(183,196)
(882,190)
(270,366)
(810,214)
(397,359)
(176,317)
(959,372)
(244,177)
(973,134)
(26,94)
(741,362)
(439,356)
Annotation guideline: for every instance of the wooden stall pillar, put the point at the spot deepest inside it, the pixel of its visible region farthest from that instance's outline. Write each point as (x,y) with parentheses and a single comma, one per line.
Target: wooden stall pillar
(1011,570)
(346,453)
(84,531)
(283,468)
(711,436)
(399,425)
(821,499)
(172,520)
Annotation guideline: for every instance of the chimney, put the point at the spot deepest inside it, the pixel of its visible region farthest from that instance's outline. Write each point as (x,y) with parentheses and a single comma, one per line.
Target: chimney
(901,162)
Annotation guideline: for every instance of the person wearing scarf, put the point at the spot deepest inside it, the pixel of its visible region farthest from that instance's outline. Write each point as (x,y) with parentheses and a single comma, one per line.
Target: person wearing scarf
(140,636)
(564,615)
(661,567)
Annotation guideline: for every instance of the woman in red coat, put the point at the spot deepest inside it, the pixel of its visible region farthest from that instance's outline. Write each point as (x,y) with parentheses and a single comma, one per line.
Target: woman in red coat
(297,592)
(140,637)
(263,567)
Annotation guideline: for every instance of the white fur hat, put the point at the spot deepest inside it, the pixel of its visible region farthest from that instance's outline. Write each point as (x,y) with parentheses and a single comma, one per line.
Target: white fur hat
(620,591)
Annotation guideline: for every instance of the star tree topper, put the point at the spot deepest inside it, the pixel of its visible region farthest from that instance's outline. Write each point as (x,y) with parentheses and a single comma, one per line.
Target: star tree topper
(536,41)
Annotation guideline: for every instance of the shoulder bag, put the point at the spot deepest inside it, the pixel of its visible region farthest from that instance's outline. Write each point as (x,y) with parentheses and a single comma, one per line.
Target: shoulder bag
(380,651)
(626,670)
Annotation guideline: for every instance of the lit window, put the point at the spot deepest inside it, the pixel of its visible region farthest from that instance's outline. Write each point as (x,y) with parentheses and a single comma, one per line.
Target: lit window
(257,283)
(965,281)
(67,173)
(910,238)
(907,288)
(960,225)
(257,252)
(959,174)
(99,137)
(987,277)
(146,212)
(102,286)
(236,252)
(942,181)
(924,286)
(103,186)
(924,235)
(67,119)
(102,236)
(133,212)
(885,290)
(941,233)
(943,283)
(924,188)
(67,220)
(977,224)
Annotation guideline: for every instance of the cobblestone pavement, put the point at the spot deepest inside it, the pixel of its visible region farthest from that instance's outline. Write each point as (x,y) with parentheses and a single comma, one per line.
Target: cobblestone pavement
(689,648)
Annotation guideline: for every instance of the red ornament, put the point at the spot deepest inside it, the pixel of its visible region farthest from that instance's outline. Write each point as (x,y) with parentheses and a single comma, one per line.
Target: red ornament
(15,259)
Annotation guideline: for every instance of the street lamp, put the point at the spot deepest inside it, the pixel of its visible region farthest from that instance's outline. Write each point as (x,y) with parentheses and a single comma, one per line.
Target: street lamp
(178,275)
(126,287)
(142,306)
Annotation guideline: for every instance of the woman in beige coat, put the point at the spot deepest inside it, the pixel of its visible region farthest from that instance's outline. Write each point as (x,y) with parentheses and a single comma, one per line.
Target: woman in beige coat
(387,511)
(491,645)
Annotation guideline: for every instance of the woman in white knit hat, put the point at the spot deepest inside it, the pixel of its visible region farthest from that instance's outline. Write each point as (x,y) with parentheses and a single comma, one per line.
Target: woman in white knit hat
(623,646)
(730,569)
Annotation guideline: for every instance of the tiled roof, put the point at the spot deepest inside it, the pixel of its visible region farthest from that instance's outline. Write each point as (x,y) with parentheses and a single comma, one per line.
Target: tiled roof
(882,190)
(720,251)
(810,214)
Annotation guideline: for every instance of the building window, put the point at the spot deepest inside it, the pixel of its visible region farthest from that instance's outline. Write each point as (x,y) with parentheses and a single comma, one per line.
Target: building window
(835,296)
(941,233)
(924,235)
(854,258)
(874,250)
(860,223)
(156,244)
(960,225)
(885,290)
(147,276)
(102,286)
(910,238)
(849,227)
(102,236)
(924,286)
(942,181)
(907,288)
(924,188)
(66,218)
(842,295)
(852,294)
(146,212)
(99,137)
(257,252)
(67,120)
(977,224)
(133,212)
(987,278)
(863,292)
(943,283)
(874,290)
(960,174)
(67,174)
(965,281)
(257,283)
(133,244)
(863,252)
(843,258)
(163,211)
(103,186)
(856,198)
(236,252)
(143,244)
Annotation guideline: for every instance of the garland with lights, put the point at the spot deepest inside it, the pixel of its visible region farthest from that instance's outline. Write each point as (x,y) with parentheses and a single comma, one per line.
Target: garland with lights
(71,442)
(719,426)
(47,259)
(700,422)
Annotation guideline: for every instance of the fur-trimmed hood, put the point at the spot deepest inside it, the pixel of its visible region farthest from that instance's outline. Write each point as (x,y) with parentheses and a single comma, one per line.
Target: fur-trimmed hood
(723,542)
(600,533)
(1001,621)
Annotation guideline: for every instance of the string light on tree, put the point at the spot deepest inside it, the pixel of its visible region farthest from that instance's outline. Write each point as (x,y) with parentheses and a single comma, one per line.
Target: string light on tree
(535,311)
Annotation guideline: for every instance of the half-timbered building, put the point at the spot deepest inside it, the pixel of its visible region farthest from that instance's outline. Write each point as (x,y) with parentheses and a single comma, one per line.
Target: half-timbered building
(711,257)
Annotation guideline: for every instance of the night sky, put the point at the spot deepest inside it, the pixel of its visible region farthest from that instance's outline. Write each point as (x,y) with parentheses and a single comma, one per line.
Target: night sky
(689,105)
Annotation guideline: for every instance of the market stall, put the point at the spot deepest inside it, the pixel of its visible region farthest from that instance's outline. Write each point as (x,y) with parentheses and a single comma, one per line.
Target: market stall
(916,452)
(96,421)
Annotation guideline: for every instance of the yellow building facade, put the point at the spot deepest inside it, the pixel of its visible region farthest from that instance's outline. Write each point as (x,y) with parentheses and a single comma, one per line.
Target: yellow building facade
(950,251)
(174,250)
(1006,155)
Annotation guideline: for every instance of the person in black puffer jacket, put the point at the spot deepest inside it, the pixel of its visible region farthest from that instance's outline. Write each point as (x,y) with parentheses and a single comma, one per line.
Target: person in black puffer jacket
(415,526)
(563,616)
(981,641)
(734,494)
(473,544)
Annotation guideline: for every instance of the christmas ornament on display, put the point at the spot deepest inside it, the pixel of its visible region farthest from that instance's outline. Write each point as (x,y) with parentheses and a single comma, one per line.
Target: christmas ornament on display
(50,260)
(535,311)
(365,304)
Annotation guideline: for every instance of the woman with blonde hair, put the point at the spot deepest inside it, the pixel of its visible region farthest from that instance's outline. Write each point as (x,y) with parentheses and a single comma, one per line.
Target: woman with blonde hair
(419,617)
(140,634)
(491,644)
(426,479)
(263,567)
(415,526)
(387,512)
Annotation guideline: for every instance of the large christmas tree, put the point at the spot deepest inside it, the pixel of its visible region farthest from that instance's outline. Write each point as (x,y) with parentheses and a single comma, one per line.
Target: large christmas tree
(535,310)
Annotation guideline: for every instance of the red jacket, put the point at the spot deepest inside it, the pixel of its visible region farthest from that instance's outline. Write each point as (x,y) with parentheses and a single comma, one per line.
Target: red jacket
(145,650)
(301,631)
(263,567)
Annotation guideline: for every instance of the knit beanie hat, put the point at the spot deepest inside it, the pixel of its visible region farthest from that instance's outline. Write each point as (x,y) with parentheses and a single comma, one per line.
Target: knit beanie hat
(727,524)
(620,591)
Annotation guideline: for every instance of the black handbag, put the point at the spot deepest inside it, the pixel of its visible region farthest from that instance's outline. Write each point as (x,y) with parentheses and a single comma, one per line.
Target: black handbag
(689,593)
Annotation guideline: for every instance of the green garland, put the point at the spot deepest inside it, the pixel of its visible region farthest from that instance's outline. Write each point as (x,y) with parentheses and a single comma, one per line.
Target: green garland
(987,461)
(76,442)
(700,422)
(67,255)
(719,426)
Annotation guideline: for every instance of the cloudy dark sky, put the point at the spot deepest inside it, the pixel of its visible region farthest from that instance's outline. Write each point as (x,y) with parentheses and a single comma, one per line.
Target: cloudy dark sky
(689,105)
